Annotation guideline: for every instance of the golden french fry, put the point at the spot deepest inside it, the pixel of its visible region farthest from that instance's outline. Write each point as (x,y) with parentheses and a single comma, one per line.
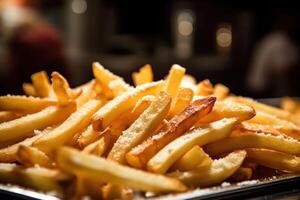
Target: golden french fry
(24,104)
(61,87)
(62,134)
(141,128)
(113,109)
(29,89)
(204,88)
(145,75)
(190,82)
(38,178)
(258,140)
(9,154)
(98,147)
(111,191)
(30,156)
(40,81)
(173,81)
(88,136)
(113,82)
(285,126)
(219,170)
(8,115)
(164,159)
(194,158)
(18,129)
(262,107)
(143,103)
(274,159)
(178,125)
(88,92)
(95,168)
(221,91)
(242,174)
(228,110)
(183,98)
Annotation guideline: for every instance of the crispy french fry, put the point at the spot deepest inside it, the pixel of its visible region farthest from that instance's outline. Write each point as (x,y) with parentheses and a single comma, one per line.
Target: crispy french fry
(41,84)
(30,156)
(9,154)
(113,109)
(274,159)
(262,107)
(88,92)
(145,75)
(219,170)
(194,158)
(29,89)
(114,83)
(228,110)
(94,168)
(38,178)
(97,148)
(242,174)
(174,79)
(88,136)
(62,134)
(24,104)
(164,159)
(61,87)
(183,98)
(220,91)
(189,81)
(143,103)
(8,115)
(285,126)
(111,191)
(141,128)
(250,140)
(204,88)
(177,126)
(18,129)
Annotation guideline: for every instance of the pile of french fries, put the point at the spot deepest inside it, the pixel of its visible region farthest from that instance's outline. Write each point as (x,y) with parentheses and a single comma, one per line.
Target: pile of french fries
(107,139)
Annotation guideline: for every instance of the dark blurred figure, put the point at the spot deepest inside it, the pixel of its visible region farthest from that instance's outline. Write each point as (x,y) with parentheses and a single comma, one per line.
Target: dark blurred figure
(275,66)
(32,45)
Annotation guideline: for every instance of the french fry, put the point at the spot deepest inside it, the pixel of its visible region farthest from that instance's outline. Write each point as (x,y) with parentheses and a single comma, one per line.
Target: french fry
(88,92)
(250,140)
(194,158)
(97,148)
(204,88)
(290,105)
(9,154)
(88,136)
(94,168)
(41,179)
(164,159)
(242,174)
(40,81)
(173,81)
(183,98)
(144,75)
(30,157)
(8,115)
(262,107)
(18,129)
(220,91)
(141,128)
(114,83)
(219,171)
(189,81)
(29,89)
(24,104)
(62,134)
(228,110)
(274,159)
(113,109)
(172,129)
(285,126)
(61,87)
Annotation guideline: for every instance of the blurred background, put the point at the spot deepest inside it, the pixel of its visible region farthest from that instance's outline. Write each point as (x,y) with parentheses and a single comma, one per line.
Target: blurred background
(251,47)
